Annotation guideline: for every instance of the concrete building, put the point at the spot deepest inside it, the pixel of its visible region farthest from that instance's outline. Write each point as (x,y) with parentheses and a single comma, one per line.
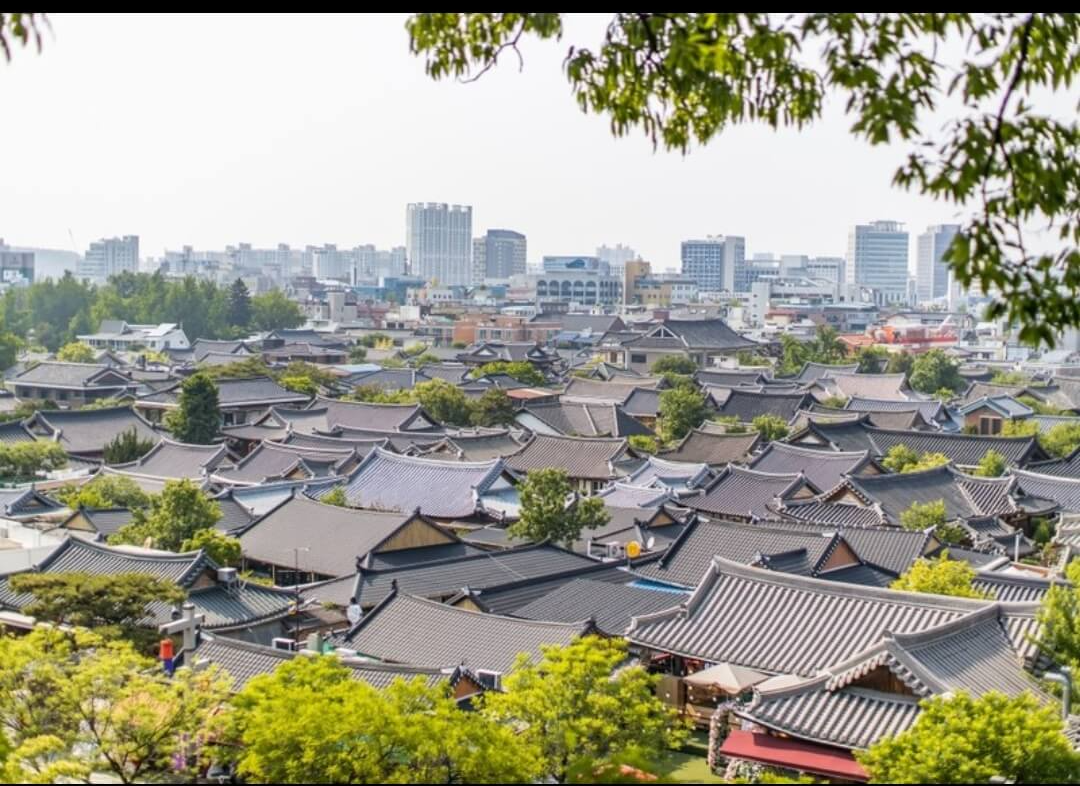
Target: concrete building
(568,279)
(500,253)
(118,334)
(16,267)
(109,257)
(641,285)
(439,242)
(616,257)
(373,263)
(716,263)
(829,268)
(931,272)
(877,257)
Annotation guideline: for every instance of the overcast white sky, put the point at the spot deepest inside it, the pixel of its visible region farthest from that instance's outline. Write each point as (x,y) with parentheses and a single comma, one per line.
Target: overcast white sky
(211,130)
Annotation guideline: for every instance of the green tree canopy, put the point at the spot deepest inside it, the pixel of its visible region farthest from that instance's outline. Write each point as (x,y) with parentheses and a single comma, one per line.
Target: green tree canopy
(643,443)
(961,739)
(198,417)
(674,364)
(940,576)
(444,402)
(493,408)
(273,311)
(682,409)
(104,491)
(175,515)
(239,304)
(223,549)
(26,460)
(547,512)
(76,352)
(577,703)
(871,359)
(991,465)
(1006,158)
(521,370)
(934,370)
(1059,622)
(900,458)
(770,427)
(126,446)
(310,721)
(336,497)
(922,516)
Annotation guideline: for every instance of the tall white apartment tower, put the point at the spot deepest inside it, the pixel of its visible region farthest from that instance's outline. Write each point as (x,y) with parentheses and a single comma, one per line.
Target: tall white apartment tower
(438,242)
(110,256)
(931,272)
(877,257)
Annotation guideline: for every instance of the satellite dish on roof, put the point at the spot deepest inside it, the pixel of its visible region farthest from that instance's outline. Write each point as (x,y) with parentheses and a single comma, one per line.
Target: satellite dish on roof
(353,613)
(650,543)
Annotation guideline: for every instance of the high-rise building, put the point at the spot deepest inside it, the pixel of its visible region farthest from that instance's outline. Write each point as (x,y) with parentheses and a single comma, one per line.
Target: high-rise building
(616,257)
(109,257)
(716,263)
(829,268)
(877,257)
(438,242)
(372,263)
(500,253)
(16,267)
(931,272)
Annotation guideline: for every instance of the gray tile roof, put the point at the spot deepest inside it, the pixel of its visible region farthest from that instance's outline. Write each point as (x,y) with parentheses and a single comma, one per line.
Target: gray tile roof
(407,629)
(106,521)
(1068,467)
(443,489)
(18,502)
(87,431)
(730,377)
(14,432)
(930,410)
(390,379)
(610,605)
(1014,588)
(824,468)
(169,459)
(832,513)
(374,417)
(234,515)
(812,372)
(581,457)
(245,605)
(691,555)
(1061,493)
(614,392)
(330,539)
(785,624)
(624,495)
(271,461)
(679,476)
(449,372)
(747,405)
(707,334)
(235,393)
(56,374)
(643,403)
(242,661)
(744,494)
(879,386)
(480,446)
(200,347)
(585,419)
(965,496)
(700,446)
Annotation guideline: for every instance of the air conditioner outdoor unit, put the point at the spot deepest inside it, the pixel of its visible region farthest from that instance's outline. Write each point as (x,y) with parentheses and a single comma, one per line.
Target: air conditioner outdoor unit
(227,576)
(283,643)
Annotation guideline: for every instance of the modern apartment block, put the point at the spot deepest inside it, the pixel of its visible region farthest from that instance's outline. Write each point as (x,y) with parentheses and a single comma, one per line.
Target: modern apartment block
(829,268)
(877,257)
(438,242)
(717,263)
(109,257)
(931,272)
(500,253)
(616,257)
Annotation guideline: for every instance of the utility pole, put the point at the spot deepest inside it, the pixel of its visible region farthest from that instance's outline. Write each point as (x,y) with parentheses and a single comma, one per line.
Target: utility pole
(296,593)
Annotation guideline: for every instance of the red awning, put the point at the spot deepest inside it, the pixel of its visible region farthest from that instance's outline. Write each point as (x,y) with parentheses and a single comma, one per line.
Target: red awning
(793,754)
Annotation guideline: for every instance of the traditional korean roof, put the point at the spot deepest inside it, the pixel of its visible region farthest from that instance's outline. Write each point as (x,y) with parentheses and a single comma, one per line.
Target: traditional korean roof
(841,514)
(364,441)
(454,373)
(965,496)
(780,623)
(1068,467)
(201,347)
(13,432)
(745,494)
(493,351)
(581,457)
(1015,588)
(931,410)
(87,431)
(614,392)
(234,392)
(730,377)
(610,605)
(812,372)
(659,473)
(706,447)
(328,540)
(706,334)
(443,489)
(272,461)
(804,552)
(373,417)
(407,629)
(390,379)
(242,660)
(24,502)
(1006,406)
(823,468)
(643,403)
(465,446)
(72,376)
(1047,492)
(233,608)
(625,495)
(105,521)
(879,386)
(169,459)
(584,419)
(747,405)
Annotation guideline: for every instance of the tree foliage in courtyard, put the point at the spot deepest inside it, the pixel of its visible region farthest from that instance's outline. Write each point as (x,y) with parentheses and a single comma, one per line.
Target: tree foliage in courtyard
(1004,159)
(174,516)
(940,576)
(198,417)
(548,513)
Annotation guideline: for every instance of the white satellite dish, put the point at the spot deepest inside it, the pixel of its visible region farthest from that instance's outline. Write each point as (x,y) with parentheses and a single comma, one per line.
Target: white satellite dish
(353,614)
(650,543)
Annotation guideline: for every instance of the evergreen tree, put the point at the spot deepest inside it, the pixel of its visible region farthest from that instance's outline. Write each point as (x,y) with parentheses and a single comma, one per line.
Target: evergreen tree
(198,418)
(239,304)
(126,446)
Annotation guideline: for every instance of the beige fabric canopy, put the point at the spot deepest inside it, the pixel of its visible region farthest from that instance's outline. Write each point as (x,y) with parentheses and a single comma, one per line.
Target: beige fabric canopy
(728,677)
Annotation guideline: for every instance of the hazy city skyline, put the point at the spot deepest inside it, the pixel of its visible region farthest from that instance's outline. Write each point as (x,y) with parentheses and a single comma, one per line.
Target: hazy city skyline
(309,129)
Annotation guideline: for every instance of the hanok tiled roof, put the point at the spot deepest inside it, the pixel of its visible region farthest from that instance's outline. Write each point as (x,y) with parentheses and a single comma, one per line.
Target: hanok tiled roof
(643,403)
(930,410)
(707,334)
(746,405)
(1006,406)
(965,496)
(691,555)
(581,457)
(832,513)
(242,660)
(745,494)
(406,629)
(443,489)
(14,432)
(389,379)
(238,607)
(824,468)
(1054,492)
(235,393)
(169,459)
(614,392)
(465,446)
(659,473)
(583,419)
(374,417)
(87,431)
(1068,467)
(200,347)
(780,623)
(72,376)
(879,386)
(610,605)
(812,372)
(624,495)
(364,441)
(701,446)
(25,502)
(329,539)
(1014,588)
(730,377)
(271,461)
(105,521)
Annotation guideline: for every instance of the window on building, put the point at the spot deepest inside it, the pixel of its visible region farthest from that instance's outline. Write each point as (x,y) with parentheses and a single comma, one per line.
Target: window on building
(989,425)
(637,358)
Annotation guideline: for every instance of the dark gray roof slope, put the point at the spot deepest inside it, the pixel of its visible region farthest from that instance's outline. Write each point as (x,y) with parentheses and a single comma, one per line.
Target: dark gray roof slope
(610,605)
(587,420)
(832,513)
(13,432)
(1068,467)
(704,447)
(272,461)
(811,372)
(746,405)
(465,446)
(1054,492)
(707,334)
(965,496)
(374,417)
(57,374)
(19,502)
(930,410)
(614,392)
(731,377)
(785,624)
(407,629)
(169,459)
(107,520)
(88,431)
(581,457)
(824,468)
(746,494)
